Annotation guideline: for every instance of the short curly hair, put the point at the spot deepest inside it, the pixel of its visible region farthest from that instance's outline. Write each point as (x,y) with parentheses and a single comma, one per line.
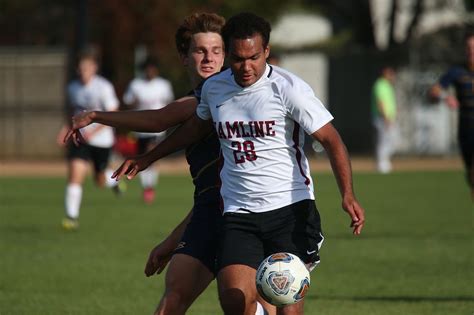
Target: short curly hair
(197,23)
(245,25)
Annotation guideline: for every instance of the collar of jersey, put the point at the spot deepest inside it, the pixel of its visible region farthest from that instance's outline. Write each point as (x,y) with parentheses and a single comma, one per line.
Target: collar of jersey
(263,78)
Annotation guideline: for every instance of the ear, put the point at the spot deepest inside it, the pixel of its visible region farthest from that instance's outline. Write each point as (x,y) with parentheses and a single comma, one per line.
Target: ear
(267,51)
(184,59)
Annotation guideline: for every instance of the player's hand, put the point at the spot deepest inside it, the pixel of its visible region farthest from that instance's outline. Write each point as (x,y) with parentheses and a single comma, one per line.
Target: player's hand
(76,136)
(130,167)
(79,121)
(356,212)
(158,259)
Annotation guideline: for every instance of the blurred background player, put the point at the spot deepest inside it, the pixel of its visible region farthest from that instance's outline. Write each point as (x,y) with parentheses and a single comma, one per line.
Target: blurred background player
(89,92)
(148,92)
(462,78)
(384,110)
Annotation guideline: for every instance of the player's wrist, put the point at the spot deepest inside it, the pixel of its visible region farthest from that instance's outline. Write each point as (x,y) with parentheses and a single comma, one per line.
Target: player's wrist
(93,116)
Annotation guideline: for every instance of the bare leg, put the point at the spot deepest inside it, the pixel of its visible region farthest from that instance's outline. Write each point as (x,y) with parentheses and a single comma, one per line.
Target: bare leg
(186,279)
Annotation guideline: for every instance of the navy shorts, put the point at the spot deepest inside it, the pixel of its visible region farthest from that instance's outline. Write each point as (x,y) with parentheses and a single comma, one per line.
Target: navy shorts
(248,238)
(98,156)
(200,238)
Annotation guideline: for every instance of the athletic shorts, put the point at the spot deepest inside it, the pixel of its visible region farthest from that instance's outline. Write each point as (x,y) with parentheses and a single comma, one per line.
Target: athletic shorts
(248,238)
(200,239)
(98,156)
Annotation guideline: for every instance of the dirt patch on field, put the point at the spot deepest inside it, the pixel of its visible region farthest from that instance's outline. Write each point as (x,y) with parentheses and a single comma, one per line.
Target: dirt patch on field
(178,165)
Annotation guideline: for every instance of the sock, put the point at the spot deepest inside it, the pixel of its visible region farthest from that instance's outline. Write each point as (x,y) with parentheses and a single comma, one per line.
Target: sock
(73,200)
(260,310)
(109,181)
(148,177)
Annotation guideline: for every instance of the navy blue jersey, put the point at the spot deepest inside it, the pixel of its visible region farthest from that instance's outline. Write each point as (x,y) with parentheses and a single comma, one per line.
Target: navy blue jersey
(463,81)
(203,159)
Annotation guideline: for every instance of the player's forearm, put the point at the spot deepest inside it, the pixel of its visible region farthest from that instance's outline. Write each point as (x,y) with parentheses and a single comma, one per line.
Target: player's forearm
(188,133)
(341,166)
(133,120)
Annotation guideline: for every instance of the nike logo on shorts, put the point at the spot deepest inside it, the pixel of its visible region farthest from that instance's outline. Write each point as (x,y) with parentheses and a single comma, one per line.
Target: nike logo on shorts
(310,252)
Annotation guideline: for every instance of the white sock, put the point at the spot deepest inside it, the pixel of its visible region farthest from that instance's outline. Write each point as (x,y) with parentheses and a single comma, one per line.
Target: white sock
(109,181)
(260,310)
(149,177)
(73,200)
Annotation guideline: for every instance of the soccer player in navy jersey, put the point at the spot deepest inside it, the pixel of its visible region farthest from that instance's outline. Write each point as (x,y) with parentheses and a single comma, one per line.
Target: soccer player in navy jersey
(260,114)
(192,245)
(462,78)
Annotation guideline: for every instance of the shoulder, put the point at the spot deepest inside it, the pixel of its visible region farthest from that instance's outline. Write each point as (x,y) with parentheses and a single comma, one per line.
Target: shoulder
(73,85)
(286,79)
(162,81)
(218,79)
(288,84)
(102,82)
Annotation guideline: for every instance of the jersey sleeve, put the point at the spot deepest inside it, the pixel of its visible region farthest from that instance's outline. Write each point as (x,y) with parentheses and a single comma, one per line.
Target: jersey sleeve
(203,111)
(448,78)
(109,98)
(305,108)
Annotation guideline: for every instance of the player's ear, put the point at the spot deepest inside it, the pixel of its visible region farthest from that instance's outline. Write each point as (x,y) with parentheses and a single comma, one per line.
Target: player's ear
(267,51)
(184,59)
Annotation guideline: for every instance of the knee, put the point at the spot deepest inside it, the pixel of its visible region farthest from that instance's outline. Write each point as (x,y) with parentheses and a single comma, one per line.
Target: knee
(232,301)
(173,302)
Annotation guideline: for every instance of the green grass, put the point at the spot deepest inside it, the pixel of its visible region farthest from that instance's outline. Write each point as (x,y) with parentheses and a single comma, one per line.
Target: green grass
(414,257)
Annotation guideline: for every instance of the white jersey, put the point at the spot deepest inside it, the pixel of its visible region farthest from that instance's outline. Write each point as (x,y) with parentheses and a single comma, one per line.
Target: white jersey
(98,94)
(261,131)
(148,94)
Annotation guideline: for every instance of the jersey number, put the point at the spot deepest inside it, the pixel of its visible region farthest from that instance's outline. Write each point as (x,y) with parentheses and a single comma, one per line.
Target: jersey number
(244,151)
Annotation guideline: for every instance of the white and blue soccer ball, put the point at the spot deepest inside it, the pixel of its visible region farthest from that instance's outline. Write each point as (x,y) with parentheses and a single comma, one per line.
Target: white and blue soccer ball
(282,279)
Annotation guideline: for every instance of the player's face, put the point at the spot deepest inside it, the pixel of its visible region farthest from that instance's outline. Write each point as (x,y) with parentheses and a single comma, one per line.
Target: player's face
(247,59)
(205,56)
(86,69)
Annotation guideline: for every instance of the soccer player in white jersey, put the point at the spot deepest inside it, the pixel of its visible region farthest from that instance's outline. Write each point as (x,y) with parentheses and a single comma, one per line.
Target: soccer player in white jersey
(260,114)
(89,92)
(146,93)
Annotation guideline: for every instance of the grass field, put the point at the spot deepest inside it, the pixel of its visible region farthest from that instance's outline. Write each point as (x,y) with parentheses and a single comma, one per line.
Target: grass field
(414,257)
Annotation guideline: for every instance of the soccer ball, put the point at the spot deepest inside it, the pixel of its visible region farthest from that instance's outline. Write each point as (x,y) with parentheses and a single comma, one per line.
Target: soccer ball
(282,279)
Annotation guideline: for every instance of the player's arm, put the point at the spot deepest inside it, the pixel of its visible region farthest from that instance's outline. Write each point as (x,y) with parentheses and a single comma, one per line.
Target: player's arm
(341,166)
(161,254)
(144,121)
(191,131)
(439,91)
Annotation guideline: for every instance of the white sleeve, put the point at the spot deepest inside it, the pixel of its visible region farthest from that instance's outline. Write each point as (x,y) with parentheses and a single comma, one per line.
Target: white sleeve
(203,111)
(109,99)
(129,95)
(305,108)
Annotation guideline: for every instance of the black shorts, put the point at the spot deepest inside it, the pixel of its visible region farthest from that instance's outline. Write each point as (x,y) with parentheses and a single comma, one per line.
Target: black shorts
(248,238)
(98,156)
(200,239)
